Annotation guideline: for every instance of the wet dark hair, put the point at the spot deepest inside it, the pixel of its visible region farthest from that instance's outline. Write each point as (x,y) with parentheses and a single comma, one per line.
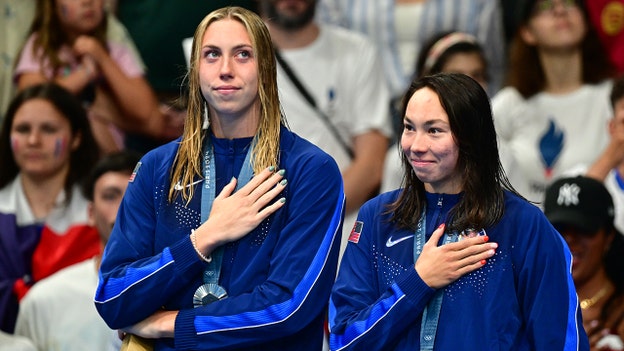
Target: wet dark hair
(470,117)
(122,161)
(81,160)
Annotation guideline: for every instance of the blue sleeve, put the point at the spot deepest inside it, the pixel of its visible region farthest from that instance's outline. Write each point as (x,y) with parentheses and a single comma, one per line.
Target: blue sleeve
(545,287)
(363,315)
(300,271)
(131,267)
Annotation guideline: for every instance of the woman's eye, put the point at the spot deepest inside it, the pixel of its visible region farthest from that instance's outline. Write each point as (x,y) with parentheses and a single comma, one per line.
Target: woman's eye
(210,54)
(21,128)
(49,129)
(434,130)
(112,195)
(244,54)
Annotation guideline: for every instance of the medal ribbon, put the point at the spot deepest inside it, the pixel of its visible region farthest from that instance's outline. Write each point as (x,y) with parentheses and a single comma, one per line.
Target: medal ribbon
(431,314)
(213,270)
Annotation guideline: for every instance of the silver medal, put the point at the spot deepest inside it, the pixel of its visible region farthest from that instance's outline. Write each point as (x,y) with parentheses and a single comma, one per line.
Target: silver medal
(207,294)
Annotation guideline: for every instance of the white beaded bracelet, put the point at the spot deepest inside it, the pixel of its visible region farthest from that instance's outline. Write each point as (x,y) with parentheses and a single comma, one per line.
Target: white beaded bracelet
(201,255)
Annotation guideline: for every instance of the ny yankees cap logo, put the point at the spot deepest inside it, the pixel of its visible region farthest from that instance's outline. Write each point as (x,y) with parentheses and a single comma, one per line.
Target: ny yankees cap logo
(568,195)
(580,201)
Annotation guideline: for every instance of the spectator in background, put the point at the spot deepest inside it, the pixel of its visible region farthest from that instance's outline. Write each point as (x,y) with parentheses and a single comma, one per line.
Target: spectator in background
(16,19)
(581,210)
(346,114)
(46,150)
(68,45)
(609,167)
(158,28)
(553,114)
(212,247)
(400,28)
(453,52)
(58,312)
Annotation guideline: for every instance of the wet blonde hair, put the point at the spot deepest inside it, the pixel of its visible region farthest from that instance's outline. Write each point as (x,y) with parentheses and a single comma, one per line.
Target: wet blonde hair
(265,152)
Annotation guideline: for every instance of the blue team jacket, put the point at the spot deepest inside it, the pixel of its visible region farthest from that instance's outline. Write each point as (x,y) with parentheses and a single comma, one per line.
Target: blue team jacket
(278,277)
(522,299)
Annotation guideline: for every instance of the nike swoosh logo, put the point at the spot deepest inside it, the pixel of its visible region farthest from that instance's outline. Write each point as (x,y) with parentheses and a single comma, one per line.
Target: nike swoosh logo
(391,242)
(178,186)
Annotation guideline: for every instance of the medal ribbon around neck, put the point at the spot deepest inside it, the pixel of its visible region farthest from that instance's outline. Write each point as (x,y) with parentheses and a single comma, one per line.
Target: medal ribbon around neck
(431,314)
(211,291)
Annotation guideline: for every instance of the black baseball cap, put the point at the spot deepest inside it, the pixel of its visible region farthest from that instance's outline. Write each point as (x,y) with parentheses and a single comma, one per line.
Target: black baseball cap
(580,202)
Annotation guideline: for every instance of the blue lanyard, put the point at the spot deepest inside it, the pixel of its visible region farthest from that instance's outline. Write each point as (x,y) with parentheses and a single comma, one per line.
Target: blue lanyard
(431,314)
(213,270)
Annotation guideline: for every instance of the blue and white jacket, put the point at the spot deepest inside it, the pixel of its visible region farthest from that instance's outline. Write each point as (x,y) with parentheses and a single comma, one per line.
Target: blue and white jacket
(522,299)
(278,277)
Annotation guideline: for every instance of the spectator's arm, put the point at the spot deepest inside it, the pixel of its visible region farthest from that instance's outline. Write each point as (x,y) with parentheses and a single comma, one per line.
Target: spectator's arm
(363,176)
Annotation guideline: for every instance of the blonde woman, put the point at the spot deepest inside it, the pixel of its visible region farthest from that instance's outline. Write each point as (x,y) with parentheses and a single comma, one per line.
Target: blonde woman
(213,247)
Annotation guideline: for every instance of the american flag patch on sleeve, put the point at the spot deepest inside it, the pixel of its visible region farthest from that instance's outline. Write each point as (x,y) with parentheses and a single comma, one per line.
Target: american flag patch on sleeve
(134,172)
(354,237)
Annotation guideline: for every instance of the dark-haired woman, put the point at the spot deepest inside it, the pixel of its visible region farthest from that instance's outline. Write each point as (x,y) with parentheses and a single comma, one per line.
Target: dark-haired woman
(454,259)
(46,148)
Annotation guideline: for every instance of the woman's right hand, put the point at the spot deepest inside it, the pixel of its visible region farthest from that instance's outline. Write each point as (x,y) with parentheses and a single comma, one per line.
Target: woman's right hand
(439,266)
(235,214)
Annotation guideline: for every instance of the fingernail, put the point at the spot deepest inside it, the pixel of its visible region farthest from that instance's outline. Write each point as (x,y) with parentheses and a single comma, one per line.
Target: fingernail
(282,200)
(482,262)
(271,168)
(593,323)
(486,238)
(284,181)
(282,172)
(233,178)
(441,225)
